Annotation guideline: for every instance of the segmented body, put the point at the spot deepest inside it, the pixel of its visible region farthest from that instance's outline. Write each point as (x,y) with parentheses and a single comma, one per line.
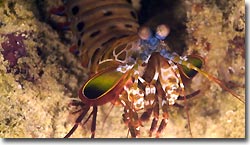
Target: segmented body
(96,24)
(131,67)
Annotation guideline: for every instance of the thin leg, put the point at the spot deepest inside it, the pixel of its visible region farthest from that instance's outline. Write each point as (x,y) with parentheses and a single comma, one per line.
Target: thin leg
(93,126)
(156,116)
(153,126)
(77,111)
(146,115)
(189,96)
(182,92)
(78,120)
(161,127)
(132,120)
(164,121)
(127,133)
(132,131)
(134,124)
(104,121)
(76,103)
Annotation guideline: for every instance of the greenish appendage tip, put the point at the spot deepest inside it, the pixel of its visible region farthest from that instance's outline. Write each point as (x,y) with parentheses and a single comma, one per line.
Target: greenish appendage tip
(101,84)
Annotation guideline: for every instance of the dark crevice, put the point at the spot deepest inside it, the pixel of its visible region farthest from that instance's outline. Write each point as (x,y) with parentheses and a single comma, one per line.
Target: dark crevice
(75,10)
(95,33)
(80,26)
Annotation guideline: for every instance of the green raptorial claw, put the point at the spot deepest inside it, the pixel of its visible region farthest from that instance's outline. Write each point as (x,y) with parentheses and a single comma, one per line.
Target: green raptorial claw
(101,84)
(104,87)
(194,60)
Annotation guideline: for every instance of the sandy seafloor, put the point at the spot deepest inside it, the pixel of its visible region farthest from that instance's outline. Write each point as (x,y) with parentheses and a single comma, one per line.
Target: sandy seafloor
(36,88)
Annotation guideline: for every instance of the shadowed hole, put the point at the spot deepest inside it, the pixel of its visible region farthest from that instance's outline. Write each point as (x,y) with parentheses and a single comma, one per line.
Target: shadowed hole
(95,54)
(133,14)
(129,1)
(80,26)
(128,26)
(75,10)
(95,33)
(112,27)
(106,42)
(79,42)
(107,13)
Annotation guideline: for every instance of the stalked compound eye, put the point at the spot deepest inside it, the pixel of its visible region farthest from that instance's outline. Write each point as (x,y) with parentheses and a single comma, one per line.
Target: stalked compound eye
(197,61)
(145,33)
(102,87)
(162,32)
